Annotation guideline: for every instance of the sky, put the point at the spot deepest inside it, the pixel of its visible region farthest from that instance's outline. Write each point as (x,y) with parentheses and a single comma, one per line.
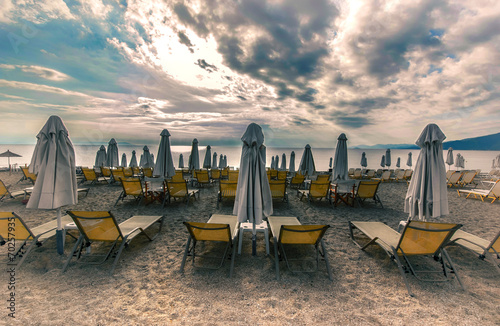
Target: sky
(305,71)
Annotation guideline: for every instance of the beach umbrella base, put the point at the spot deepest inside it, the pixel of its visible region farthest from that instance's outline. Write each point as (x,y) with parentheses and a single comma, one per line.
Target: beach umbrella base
(60,241)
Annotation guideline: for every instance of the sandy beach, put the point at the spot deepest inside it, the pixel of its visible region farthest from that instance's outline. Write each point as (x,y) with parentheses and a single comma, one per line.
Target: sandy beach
(147,287)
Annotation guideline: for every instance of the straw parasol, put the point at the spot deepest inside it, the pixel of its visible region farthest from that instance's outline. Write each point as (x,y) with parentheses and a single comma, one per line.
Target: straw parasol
(8,154)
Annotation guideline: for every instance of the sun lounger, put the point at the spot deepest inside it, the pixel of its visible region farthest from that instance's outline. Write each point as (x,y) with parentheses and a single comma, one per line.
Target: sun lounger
(219,228)
(481,247)
(12,226)
(5,193)
(367,190)
(101,226)
(90,175)
(278,190)
(454,180)
(289,231)
(132,187)
(317,191)
(227,190)
(27,175)
(417,239)
(179,189)
(385,177)
(492,193)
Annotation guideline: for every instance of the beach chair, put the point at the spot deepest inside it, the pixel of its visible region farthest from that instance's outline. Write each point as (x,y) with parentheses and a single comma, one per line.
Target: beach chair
(22,239)
(202,178)
(493,192)
(357,174)
(147,172)
(417,239)
(219,228)
(101,226)
(273,174)
(215,175)
(117,174)
(91,176)
(369,174)
(316,191)
(132,187)
(342,193)
(227,190)
(399,176)
(385,177)
(27,175)
(449,173)
(297,181)
(128,172)
(137,171)
(233,175)
(106,172)
(282,175)
(367,190)
(322,178)
(224,173)
(288,232)
(407,176)
(481,247)
(178,176)
(278,190)
(468,179)
(350,171)
(179,189)
(454,179)
(5,193)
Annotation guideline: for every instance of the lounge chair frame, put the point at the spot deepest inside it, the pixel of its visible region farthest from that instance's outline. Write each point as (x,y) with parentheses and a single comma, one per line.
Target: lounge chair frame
(360,196)
(227,189)
(278,190)
(137,190)
(317,190)
(179,189)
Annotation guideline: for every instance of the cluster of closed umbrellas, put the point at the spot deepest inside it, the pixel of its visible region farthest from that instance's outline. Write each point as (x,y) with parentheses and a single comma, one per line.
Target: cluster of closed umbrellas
(110,157)
(459,161)
(496,162)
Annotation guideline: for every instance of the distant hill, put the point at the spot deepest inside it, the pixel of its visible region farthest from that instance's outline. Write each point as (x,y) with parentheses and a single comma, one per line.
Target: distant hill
(482,143)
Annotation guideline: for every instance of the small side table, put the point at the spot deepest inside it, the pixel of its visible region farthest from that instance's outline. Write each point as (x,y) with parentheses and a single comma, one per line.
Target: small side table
(247,227)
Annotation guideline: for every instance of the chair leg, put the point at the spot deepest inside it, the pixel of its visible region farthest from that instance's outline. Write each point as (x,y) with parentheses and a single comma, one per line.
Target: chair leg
(444,254)
(325,256)
(233,257)
(26,253)
(276,259)
(122,245)
(75,247)
(402,271)
(186,252)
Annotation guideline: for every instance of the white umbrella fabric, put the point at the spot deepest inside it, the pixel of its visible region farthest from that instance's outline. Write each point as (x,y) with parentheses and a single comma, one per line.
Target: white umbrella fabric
(449,158)
(283,162)
(152,159)
(427,194)
(306,166)
(181,161)
(493,164)
(221,161)
(409,160)
(388,158)
(112,155)
(214,161)
(146,161)
(101,157)
(225,161)
(340,164)
(194,158)
(382,161)
(291,167)
(164,166)
(276,162)
(364,162)
(398,163)
(133,160)
(207,162)
(457,161)
(253,198)
(498,161)
(124,160)
(331,162)
(53,162)
(272,162)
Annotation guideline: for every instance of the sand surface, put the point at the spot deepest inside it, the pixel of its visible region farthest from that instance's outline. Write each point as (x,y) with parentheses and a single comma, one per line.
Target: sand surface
(147,288)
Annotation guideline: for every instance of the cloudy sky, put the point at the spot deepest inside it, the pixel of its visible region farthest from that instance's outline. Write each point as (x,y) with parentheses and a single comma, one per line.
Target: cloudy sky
(306,71)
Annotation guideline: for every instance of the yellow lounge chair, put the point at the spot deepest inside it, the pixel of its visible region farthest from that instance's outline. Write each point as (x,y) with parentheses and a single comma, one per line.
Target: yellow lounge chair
(493,192)
(90,175)
(278,190)
(27,175)
(417,239)
(297,181)
(289,231)
(128,172)
(227,190)
(317,190)
(215,175)
(367,190)
(482,248)
(321,178)
(202,177)
(15,232)
(233,175)
(454,179)
(132,187)
(282,175)
(147,172)
(178,176)
(117,174)
(101,226)
(179,189)
(5,193)
(219,228)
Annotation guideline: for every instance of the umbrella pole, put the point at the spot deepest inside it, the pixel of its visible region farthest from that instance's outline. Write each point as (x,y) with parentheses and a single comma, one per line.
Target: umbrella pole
(59,233)
(254,240)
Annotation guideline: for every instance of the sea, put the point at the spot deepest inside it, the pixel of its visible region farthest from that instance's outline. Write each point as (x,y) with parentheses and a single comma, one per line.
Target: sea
(85,155)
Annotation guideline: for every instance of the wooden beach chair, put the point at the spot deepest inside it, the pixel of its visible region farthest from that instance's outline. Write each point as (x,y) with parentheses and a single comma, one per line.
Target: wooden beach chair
(219,228)
(101,226)
(417,239)
(14,231)
(287,232)
(227,190)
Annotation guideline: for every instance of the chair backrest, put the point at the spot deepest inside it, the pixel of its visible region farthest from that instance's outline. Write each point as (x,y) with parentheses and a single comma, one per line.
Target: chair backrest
(148,172)
(273,173)
(495,244)
(128,172)
(370,173)
(455,177)
(495,190)
(323,178)
(367,189)
(319,189)
(28,174)
(136,170)
(468,177)
(209,231)
(386,175)
(282,175)
(278,188)
(350,171)
(12,226)
(118,174)
(379,171)
(227,188)
(408,173)
(132,186)
(215,173)
(400,174)
(202,176)
(106,172)
(449,173)
(233,175)
(224,172)
(96,225)
(302,234)
(425,238)
(178,176)
(357,173)
(297,179)
(3,189)
(177,188)
(89,174)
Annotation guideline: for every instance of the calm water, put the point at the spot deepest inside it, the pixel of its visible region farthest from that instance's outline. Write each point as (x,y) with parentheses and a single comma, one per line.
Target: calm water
(85,155)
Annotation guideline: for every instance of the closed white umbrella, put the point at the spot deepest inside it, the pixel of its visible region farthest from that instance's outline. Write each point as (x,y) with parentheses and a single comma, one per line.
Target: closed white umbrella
(493,164)
(388,158)
(276,162)
(364,162)
(457,161)
(409,160)
(498,160)
(133,160)
(100,158)
(331,162)
(221,161)
(449,158)
(53,162)
(253,198)
(427,194)
(207,162)
(146,161)
(283,162)
(272,163)
(382,161)
(398,163)
(291,168)
(181,161)
(194,159)
(214,161)
(340,163)
(225,161)
(152,159)
(164,166)
(112,155)
(124,160)
(306,166)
